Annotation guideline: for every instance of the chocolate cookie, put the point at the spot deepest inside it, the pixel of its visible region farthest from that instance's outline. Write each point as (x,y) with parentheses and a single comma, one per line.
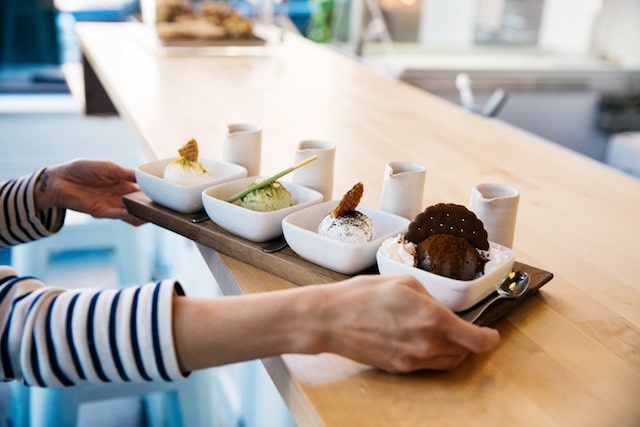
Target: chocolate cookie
(448,218)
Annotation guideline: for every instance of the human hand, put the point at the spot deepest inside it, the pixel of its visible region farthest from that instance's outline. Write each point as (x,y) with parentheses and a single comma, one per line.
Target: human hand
(392,322)
(89,186)
(389,322)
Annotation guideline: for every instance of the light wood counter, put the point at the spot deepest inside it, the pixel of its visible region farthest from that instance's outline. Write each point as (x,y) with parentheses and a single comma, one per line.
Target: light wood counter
(570,355)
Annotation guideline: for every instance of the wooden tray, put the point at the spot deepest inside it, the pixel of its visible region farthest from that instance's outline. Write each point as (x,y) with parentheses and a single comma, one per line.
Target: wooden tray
(286,263)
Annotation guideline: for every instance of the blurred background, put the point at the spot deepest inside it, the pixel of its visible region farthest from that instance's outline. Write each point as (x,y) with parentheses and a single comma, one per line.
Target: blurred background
(570,68)
(567,70)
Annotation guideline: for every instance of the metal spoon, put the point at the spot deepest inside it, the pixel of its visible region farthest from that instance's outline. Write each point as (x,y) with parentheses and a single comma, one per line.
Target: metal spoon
(275,246)
(512,287)
(201,217)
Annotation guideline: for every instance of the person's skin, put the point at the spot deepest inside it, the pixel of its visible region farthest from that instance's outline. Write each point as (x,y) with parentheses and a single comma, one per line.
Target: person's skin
(89,186)
(390,322)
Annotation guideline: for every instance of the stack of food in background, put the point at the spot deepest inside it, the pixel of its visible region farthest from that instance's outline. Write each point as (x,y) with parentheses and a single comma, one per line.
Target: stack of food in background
(179,19)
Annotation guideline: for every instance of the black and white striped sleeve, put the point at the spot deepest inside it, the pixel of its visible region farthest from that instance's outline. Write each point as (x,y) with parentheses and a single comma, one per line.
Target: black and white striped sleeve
(54,337)
(19,220)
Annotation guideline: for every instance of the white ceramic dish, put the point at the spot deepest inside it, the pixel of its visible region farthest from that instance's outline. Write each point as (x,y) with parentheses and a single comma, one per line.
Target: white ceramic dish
(300,232)
(253,225)
(185,199)
(458,295)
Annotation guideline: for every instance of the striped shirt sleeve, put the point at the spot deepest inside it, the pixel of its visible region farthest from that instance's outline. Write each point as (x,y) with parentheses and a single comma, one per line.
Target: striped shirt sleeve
(53,337)
(20,222)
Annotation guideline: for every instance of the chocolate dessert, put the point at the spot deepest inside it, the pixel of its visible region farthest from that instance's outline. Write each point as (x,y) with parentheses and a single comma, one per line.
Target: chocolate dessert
(449,241)
(449,256)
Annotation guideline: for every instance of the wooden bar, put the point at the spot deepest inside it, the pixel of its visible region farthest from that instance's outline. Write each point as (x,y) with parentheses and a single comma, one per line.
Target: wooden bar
(569,353)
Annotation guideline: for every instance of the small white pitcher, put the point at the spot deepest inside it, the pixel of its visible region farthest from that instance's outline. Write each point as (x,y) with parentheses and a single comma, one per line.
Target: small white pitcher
(243,146)
(403,188)
(318,174)
(496,205)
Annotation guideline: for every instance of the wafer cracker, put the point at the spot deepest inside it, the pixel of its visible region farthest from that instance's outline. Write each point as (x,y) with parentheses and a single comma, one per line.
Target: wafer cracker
(448,218)
(349,201)
(189,150)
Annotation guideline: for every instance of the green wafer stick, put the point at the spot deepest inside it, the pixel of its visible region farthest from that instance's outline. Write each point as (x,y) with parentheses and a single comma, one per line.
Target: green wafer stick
(269,180)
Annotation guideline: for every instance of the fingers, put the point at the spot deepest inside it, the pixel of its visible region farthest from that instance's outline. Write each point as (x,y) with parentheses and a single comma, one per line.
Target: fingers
(477,339)
(410,329)
(135,221)
(97,172)
(472,337)
(444,362)
(124,174)
(121,214)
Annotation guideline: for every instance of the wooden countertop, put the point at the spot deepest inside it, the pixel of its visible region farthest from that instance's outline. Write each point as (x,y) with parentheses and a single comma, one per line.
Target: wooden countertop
(570,355)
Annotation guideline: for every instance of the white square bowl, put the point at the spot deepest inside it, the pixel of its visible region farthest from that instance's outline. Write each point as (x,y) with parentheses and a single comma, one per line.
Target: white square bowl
(458,295)
(185,199)
(300,232)
(253,225)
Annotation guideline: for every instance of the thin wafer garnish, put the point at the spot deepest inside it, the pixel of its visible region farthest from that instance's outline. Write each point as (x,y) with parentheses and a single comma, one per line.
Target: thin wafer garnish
(448,218)
(189,150)
(349,201)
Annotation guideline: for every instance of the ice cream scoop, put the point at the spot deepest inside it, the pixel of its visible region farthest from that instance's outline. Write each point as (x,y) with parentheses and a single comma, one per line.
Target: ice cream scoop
(269,198)
(345,223)
(350,227)
(185,172)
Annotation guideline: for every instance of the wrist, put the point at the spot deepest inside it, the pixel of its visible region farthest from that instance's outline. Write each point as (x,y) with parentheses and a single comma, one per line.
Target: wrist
(315,321)
(43,192)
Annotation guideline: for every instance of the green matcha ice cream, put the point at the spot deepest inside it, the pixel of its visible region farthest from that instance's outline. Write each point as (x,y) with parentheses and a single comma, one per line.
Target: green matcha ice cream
(266,199)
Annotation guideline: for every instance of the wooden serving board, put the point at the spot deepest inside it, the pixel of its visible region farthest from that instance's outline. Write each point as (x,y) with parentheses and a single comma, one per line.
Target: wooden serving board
(286,263)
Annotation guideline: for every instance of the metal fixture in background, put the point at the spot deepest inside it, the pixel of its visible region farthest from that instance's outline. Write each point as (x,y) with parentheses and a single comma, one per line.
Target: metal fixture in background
(491,108)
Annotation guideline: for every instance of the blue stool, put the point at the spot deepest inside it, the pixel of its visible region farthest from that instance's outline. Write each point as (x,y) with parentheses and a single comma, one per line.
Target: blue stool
(623,152)
(176,404)
(128,245)
(179,403)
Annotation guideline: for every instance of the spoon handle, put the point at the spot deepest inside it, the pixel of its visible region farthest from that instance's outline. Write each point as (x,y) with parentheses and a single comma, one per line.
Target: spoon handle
(276,246)
(472,315)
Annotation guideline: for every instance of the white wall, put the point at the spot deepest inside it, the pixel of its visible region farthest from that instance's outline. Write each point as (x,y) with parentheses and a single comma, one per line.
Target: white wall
(40,130)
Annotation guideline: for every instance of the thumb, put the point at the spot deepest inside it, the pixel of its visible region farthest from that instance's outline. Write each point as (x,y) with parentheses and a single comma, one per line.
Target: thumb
(478,339)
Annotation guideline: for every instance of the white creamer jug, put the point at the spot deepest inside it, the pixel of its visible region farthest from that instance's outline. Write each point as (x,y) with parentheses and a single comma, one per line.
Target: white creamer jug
(496,205)
(403,188)
(318,174)
(242,145)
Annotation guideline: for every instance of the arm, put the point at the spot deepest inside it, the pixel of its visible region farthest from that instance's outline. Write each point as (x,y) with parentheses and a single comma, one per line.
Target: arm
(93,187)
(20,220)
(389,322)
(34,206)
(56,337)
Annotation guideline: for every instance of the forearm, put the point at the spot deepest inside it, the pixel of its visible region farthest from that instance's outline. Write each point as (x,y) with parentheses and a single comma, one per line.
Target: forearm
(389,322)
(217,331)
(54,336)
(22,217)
